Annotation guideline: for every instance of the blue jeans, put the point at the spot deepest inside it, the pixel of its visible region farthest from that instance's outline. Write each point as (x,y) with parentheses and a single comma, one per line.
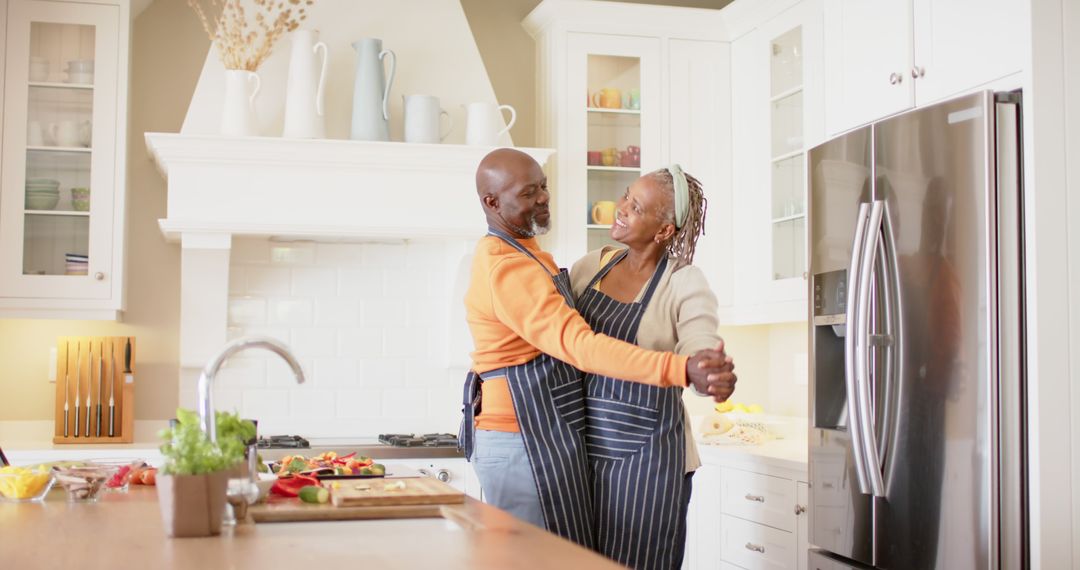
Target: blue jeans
(506,476)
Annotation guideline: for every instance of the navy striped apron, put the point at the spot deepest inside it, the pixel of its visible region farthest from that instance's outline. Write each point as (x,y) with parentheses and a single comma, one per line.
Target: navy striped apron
(636,442)
(548,397)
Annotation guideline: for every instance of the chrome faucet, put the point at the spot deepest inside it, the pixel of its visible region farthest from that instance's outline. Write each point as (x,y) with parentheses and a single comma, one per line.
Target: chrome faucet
(207,420)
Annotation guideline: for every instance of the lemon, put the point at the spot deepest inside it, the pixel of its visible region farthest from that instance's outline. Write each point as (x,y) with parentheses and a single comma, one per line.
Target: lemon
(724,407)
(755,409)
(741,408)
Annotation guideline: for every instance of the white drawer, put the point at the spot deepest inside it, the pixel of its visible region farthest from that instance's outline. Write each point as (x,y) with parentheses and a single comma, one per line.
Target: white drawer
(754,546)
(759,498)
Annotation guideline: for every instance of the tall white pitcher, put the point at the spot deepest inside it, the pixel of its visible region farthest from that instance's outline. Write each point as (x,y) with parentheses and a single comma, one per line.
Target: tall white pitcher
(238,112)
(304,96)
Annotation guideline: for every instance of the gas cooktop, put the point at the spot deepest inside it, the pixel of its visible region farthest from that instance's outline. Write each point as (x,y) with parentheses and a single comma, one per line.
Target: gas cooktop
(413,440)
(282,441)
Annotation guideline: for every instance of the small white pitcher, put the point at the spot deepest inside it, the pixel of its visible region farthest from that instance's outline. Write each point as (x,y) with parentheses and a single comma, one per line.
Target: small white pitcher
(423,119)
(238,112)
(483,122)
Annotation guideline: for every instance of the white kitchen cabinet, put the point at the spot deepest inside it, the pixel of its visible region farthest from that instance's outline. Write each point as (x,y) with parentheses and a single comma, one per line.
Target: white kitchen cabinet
(62,159)
(802,531)
(670,71)
(778,112)
(888,56)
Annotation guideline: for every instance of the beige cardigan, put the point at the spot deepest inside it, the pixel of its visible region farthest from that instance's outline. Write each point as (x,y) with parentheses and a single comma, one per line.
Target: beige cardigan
(681,317)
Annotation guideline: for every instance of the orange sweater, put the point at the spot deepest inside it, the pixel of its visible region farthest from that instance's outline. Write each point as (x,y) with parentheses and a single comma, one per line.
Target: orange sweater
(515,313)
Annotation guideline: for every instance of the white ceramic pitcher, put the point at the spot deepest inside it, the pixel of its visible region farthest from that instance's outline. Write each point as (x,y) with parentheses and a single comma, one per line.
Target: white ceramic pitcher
(483,123)
(423,116)
(304,96)
(238,112)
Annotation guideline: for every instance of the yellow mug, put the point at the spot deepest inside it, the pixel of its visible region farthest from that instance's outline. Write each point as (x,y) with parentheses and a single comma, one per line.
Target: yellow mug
(603,212)
(607,98)
(609,156)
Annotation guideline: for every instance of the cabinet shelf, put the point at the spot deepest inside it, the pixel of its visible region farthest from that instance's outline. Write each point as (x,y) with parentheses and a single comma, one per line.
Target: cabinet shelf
(614,111)
(786,93)
(787,155)
(61,85)
(63,149)
(65,213)
(614,168)
(598,226)
(789,218)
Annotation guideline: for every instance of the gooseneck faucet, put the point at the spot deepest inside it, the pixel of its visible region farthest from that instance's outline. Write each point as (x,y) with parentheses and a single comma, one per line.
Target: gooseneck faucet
(207,420)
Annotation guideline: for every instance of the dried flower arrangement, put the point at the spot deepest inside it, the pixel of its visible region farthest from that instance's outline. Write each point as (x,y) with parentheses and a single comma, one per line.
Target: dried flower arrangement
(245,43)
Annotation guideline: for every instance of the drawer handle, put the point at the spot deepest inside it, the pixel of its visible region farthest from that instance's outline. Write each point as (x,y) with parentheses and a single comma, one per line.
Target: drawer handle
(755,498)
(755,547)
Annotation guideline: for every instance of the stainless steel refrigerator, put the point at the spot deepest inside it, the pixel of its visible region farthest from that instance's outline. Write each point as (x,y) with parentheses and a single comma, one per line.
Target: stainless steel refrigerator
(917,395)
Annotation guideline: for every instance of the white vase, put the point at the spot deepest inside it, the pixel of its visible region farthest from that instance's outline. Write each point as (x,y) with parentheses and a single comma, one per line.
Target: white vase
(238,112)
(304,104)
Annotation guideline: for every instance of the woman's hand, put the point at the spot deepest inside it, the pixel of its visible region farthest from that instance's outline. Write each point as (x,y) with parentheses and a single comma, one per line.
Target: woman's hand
(712,372)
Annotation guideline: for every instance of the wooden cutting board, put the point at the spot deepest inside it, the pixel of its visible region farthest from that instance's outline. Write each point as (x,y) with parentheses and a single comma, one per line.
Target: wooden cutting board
(292,510)
(393,492)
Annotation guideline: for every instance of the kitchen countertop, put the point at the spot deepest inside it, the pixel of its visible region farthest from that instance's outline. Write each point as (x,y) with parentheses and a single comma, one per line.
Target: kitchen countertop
(124,529)
(788,455)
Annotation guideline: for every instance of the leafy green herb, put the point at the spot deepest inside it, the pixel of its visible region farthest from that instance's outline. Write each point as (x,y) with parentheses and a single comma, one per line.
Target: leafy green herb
(188,451)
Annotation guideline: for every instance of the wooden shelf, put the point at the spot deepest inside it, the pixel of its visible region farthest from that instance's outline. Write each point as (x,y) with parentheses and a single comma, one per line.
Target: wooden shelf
(634,169)
(61,85)
(64,149)
(785,94)
(69,213)
(598,226)
(787,155)
(788,218)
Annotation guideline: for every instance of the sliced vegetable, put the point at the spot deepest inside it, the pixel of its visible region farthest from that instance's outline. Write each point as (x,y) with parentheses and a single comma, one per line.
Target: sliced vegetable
(290,486)
(314,494)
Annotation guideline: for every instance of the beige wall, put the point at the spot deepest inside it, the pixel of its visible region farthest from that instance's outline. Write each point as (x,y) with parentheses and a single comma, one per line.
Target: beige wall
(168,48)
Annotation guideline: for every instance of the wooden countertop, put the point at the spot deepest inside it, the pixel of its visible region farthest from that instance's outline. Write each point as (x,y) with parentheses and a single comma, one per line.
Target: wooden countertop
(125,531)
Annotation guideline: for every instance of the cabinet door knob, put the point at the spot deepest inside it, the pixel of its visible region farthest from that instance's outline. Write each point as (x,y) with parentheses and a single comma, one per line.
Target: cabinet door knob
(917,72)
(799,509)
(99,276)
(755,498)
(895,78)
(443,475)
(755,547)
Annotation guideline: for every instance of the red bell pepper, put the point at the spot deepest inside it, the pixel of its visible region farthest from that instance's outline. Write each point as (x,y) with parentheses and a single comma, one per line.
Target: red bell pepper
(290,486)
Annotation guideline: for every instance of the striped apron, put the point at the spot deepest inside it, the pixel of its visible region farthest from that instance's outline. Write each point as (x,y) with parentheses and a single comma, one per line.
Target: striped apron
(548,398)
(636,443)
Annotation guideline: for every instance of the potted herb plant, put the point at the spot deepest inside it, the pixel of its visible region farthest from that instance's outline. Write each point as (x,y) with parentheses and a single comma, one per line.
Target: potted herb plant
(191,484)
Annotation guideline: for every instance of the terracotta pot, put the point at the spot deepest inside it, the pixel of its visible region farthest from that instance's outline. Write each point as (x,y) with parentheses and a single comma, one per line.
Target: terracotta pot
(192,505)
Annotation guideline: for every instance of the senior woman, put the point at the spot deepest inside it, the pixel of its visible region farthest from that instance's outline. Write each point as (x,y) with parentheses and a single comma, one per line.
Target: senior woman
(638,436)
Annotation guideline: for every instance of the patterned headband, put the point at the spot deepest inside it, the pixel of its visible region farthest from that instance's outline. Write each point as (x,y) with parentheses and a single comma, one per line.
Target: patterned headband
(682,195)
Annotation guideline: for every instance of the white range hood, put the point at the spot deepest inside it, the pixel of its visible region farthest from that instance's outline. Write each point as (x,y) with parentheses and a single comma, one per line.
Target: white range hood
(325,190)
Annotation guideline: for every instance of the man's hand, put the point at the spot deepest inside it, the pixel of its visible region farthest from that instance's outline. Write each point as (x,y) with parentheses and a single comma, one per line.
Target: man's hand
(712,372)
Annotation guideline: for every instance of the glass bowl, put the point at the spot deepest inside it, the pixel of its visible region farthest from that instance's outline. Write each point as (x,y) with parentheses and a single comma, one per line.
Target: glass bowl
(125,469)
(25,484)
(84,483)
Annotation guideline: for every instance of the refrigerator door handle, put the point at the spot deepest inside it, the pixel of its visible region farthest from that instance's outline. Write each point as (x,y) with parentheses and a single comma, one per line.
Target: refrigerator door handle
(892,305)
(854,422)
(867,439)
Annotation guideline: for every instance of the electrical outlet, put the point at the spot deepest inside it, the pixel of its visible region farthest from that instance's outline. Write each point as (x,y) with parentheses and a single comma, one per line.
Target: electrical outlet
(52,365)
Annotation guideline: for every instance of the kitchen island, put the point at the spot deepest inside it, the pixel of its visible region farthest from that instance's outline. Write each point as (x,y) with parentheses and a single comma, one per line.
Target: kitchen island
(125,531)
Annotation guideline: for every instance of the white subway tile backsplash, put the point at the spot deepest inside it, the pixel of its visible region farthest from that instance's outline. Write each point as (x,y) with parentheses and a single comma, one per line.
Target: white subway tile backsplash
(339,254)
(293,312)
(311,404)
(247,311)
(336,372)
(366,283)
(266,404)
(268,281)
(239,372)
(360,343)
(337,311)
(360,403)
(294,254)
(404,402)
(368,323)
(382,372)
(314,282)
(316,342)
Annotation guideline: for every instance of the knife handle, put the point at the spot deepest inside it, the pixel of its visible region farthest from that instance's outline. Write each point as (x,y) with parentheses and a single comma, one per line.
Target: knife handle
(98,432)
(67,415)
(112,420)
(87,433)
(78,420)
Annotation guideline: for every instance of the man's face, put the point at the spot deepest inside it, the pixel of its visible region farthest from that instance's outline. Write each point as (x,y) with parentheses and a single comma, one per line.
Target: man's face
(523,203)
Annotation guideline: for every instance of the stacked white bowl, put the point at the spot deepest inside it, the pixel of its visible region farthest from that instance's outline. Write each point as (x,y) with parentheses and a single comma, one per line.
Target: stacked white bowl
(42,193)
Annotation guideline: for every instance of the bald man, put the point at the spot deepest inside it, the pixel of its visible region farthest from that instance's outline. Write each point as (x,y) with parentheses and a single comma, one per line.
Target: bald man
(524,398)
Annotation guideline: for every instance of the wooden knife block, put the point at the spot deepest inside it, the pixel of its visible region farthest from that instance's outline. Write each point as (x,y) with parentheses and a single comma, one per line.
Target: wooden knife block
(77,358)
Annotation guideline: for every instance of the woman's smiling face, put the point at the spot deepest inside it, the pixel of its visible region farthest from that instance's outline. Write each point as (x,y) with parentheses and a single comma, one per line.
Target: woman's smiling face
(642,213)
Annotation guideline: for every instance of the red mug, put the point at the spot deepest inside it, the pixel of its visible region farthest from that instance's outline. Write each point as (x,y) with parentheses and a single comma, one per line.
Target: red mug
(594,158)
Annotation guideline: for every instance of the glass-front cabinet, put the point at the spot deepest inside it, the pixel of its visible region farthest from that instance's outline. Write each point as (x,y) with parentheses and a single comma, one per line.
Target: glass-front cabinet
(62,167)
(614,133)
(787,179)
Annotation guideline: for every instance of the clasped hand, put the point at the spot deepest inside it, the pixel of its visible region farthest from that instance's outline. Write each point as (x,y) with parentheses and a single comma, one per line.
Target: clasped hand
(712,372)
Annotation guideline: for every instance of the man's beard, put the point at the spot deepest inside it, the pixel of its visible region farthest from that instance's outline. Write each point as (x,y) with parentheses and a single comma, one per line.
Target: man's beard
(534,229)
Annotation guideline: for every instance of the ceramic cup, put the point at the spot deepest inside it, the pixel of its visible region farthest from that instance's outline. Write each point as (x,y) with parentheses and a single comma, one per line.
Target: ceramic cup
(609,156)
(69,133)
(633,99)
(80,199)
(603,212)
(607,98)
(594,158)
